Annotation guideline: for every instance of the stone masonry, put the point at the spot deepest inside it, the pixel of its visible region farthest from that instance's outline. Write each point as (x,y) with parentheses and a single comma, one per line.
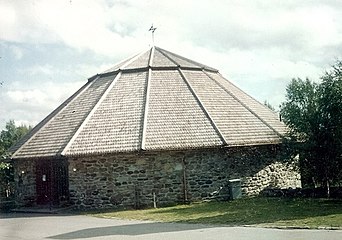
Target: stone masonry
(25,182)
(168,177)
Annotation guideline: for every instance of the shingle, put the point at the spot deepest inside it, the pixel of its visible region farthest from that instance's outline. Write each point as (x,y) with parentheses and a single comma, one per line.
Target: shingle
(140,62)
(263,112)
(183,104)
(185,62)
(159,60)
(56,133)
(175,119)
(116,125)
(120,65)
(228,114)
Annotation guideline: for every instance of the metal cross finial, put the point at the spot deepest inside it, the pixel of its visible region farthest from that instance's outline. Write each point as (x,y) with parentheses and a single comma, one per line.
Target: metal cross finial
(152,29)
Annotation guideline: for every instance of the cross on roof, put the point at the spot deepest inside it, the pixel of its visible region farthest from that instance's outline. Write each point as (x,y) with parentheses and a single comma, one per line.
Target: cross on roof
(152,29)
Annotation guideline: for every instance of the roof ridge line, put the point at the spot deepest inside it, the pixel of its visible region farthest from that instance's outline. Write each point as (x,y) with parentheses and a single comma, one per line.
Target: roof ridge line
(147,97)
(146,105)
(205,111)
(247,94)
(90,114)
(198,64)
(165,55)
(150,60)
(119,66)
(244,105)
(43,124)
(133,59)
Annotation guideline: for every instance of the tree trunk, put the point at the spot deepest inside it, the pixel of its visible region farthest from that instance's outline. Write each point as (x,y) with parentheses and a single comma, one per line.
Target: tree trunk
(328,188)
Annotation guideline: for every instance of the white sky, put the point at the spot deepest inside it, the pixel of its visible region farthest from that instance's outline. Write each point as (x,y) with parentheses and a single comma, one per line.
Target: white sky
(49,48)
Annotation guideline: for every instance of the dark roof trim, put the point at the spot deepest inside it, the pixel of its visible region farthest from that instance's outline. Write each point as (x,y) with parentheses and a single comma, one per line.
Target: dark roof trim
(133,70)
(93,77)
(200,65)
(142,151)
(27,138)
(244,105)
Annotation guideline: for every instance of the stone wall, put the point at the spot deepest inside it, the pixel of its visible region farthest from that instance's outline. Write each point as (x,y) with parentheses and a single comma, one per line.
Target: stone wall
(274,176)
(25,182)
(125,180)
(257,167)
(135,180)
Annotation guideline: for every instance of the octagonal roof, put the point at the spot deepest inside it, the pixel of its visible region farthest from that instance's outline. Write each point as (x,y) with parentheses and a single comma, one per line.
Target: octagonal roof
(156,100)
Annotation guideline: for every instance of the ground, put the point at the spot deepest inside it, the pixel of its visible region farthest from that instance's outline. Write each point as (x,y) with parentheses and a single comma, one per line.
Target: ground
(258,211)
(59,226)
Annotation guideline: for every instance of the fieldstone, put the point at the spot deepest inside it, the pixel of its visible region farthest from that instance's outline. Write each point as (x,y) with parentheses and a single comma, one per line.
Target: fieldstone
(128,179)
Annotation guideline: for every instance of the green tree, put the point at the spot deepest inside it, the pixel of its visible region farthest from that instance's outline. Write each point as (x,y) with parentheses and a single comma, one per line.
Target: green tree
(5,176)
(10,135)
(330,129)
(313,113)
(267,104)
(299,112)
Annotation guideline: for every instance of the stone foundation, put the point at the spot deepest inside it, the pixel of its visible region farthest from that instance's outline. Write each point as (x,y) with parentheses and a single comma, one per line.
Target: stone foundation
(169,177)
(162,178)
(125,180)
(25,182)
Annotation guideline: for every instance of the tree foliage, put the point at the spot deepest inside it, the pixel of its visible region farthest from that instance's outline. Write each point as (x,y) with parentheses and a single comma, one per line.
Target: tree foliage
(330,119)
(267,104)
(10,135)
(313,113)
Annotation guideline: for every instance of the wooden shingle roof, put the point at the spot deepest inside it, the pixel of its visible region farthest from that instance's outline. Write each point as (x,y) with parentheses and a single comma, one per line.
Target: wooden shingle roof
(153,101)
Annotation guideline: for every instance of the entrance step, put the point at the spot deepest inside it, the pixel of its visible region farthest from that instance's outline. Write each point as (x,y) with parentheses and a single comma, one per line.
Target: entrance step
(42,209)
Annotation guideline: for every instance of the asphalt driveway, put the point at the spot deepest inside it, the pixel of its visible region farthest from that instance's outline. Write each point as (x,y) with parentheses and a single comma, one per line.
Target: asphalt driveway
(35,227)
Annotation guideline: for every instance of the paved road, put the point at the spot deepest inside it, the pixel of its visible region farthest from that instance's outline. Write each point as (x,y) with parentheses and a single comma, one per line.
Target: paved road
(33,226)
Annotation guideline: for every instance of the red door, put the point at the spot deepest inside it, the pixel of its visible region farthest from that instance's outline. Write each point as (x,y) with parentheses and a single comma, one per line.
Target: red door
(51,181)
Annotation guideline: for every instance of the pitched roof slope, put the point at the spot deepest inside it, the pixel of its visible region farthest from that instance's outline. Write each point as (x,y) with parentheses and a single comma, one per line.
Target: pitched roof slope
(51,138)
(153,101)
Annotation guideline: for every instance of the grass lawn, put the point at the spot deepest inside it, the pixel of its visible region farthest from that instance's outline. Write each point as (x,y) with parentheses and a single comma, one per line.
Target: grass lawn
(270,212)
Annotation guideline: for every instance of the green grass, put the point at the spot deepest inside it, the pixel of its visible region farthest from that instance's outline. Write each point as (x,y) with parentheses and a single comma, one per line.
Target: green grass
(270,212)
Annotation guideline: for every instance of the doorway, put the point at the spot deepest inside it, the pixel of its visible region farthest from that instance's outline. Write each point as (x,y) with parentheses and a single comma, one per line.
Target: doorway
(52,181)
